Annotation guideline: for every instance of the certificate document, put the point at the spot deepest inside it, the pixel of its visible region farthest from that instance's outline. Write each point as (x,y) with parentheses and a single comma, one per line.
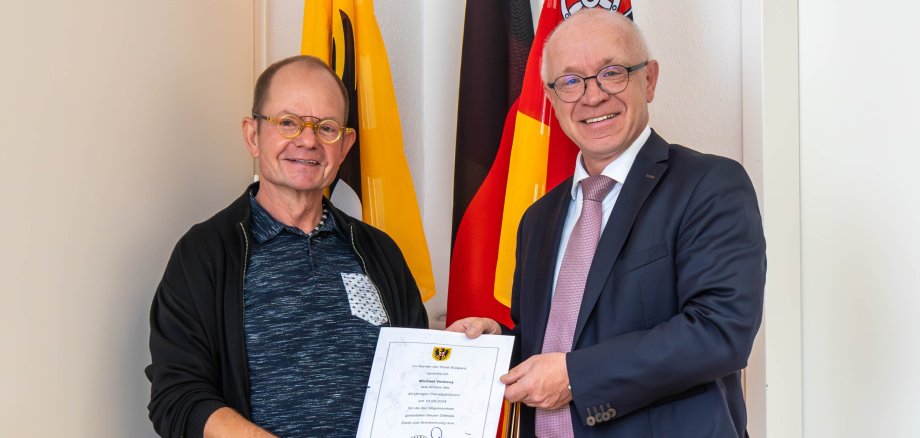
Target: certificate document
(435,384)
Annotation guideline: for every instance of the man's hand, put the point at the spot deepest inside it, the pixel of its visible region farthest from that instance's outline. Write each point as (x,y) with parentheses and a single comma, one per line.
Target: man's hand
(542,381)
(225,422)
(473,327)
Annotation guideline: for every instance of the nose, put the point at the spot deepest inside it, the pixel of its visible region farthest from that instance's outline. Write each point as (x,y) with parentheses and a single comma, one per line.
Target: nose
(306,137)
(593,92)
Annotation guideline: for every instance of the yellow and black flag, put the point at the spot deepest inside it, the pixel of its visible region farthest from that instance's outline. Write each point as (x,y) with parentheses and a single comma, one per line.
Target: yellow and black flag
(375,174)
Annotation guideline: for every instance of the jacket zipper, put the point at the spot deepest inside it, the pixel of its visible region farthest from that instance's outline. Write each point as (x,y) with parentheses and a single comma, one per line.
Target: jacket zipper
(383,304)
(243,308)
(245,254)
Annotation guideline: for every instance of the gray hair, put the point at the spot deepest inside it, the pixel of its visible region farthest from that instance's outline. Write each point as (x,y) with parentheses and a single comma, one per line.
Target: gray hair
(264,82)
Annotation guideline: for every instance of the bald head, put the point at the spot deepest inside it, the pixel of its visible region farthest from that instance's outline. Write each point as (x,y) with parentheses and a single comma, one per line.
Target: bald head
(619,31)
(311,64)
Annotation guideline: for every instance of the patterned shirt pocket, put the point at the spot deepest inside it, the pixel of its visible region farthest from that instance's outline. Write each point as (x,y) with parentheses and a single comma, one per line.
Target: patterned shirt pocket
(364,299)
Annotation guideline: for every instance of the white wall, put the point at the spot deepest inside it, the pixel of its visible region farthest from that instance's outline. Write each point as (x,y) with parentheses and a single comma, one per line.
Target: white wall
(860,216)
(698,44)
(121,125)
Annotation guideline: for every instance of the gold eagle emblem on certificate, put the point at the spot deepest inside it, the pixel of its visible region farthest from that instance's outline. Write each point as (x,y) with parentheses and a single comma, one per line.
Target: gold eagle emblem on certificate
(440,353)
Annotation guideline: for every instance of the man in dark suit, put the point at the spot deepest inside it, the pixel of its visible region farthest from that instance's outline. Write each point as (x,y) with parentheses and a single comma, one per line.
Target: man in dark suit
(638,287)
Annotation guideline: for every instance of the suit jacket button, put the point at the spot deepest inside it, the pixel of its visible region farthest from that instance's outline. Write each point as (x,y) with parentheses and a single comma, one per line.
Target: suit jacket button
(590,420)
(612,412)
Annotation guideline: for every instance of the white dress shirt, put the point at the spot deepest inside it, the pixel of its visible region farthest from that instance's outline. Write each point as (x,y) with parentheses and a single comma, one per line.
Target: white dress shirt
(617,169)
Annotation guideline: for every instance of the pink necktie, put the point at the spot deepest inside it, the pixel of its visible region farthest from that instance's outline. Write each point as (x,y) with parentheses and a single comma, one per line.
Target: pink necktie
(570,287)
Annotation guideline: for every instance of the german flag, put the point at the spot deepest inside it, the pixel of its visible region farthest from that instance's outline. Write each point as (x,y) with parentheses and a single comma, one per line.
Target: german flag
(497,36)
(375,174)
(533,155)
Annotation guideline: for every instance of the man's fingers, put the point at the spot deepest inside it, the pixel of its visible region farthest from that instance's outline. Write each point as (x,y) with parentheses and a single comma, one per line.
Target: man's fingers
(473,326)
(540,382)
(474,329)
(483,326)
(461,325)
(458,325)
(516,373)
(514,393)
(510,378)
(470,326)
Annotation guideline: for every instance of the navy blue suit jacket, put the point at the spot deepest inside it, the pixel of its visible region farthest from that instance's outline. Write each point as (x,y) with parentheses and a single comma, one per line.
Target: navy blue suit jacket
(672,303)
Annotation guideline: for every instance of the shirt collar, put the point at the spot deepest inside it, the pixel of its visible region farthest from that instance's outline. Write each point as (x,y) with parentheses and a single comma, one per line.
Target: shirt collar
(265,227)
(616,169)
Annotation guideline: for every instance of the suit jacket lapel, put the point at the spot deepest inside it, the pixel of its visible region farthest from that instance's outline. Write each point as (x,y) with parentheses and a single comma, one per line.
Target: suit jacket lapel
(539,299)
(646,171)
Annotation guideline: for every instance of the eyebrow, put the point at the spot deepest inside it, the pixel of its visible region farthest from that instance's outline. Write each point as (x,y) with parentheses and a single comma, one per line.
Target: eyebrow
(606,62)
(294,113)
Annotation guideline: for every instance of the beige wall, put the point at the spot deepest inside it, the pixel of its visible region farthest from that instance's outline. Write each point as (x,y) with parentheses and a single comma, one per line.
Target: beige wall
(839,159)
(771,151)
(860,218)
(120,125)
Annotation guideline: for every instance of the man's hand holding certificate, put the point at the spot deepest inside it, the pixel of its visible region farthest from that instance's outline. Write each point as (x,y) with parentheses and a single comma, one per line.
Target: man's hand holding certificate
(435,383)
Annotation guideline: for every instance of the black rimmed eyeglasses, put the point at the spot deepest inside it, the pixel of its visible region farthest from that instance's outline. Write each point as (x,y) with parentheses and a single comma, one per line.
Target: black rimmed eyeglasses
(612,79)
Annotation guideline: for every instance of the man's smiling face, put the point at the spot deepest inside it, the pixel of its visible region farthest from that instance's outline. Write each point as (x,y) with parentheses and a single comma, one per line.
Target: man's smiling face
(602,125)
(303,164)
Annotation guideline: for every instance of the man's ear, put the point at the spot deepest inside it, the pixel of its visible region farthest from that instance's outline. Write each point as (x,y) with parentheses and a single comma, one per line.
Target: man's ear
(251,135)
(651,80)
(551,95)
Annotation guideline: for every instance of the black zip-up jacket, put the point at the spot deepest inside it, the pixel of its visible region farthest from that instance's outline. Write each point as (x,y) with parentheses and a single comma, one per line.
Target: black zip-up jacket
(197,344)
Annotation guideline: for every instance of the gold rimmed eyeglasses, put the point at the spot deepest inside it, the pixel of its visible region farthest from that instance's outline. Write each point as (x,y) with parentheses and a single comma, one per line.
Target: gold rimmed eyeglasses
(290,126)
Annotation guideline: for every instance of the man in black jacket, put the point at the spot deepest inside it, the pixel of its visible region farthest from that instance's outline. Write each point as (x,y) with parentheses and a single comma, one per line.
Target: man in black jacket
(266,318)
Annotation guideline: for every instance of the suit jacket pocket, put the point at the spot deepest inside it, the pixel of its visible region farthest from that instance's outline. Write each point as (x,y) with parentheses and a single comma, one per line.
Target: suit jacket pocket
(637,259)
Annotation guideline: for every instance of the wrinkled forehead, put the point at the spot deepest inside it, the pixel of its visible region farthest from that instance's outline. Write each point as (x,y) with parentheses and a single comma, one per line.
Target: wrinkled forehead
(586,49)
(587,52)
